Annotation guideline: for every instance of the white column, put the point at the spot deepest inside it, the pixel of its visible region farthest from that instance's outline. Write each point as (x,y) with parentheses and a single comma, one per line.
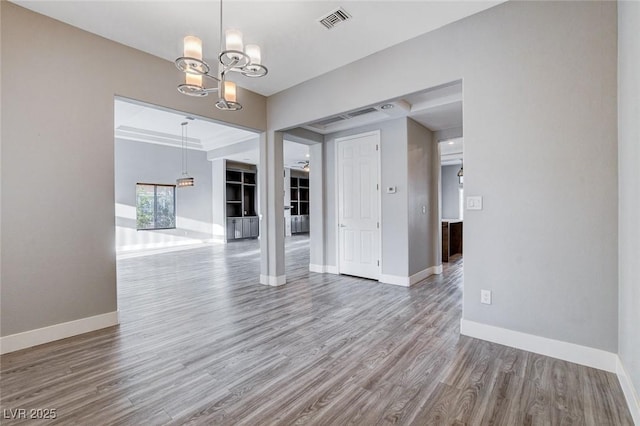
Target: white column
(316,206)
(271,187)
(218,189)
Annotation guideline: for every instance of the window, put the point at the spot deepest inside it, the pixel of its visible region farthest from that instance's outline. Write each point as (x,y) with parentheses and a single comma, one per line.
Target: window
(155,206)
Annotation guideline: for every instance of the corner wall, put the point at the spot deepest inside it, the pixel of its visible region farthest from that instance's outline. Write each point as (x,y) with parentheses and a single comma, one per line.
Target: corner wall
(409,161)
(394,220)
(422,177)
(539,95)
(629,198)
(58,221)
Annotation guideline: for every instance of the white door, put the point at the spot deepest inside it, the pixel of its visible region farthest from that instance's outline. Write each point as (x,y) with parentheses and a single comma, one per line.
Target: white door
(358,205)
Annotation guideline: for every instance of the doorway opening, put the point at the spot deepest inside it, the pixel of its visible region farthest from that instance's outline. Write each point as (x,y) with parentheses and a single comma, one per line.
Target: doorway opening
(452,197)
(297,207)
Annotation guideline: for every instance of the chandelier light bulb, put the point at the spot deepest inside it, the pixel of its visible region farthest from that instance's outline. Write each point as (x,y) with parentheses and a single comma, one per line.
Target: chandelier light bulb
(193,79)
(253,52)
(193,47)
(229,91)
(233,40)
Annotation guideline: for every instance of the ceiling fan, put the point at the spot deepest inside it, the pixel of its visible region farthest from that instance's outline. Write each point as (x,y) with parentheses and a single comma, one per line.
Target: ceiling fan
(304,165)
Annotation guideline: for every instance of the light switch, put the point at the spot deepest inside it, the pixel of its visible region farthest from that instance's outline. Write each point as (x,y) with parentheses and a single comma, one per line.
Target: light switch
(391,189)
(474,202)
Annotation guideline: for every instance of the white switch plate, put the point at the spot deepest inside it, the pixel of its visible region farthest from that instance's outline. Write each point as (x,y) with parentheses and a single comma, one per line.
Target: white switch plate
(391,189)
(474,202)
(485,297)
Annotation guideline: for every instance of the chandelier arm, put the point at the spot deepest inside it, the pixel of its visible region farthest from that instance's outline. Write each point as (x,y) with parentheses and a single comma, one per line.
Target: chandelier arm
(212,78)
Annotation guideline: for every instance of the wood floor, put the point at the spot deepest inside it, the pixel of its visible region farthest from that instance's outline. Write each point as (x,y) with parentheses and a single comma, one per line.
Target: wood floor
(200,342)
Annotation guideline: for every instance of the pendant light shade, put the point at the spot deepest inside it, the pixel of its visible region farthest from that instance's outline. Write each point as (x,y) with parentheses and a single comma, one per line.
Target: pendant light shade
(193,79)
(253,51)
(229,91)
(233,40)
(193,47)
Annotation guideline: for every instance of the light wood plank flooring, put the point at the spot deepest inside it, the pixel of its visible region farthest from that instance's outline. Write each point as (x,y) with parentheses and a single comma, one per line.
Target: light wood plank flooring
(201,342)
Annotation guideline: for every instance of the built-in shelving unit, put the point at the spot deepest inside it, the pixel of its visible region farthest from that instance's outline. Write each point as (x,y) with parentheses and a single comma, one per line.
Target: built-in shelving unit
(299,204)
(242,220)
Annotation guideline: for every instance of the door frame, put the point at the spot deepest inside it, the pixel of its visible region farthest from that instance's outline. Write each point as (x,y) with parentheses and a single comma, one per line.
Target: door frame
(338,141)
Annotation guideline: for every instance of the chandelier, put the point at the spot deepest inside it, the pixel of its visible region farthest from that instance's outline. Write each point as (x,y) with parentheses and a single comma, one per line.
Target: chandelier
(233,57)
(184,179)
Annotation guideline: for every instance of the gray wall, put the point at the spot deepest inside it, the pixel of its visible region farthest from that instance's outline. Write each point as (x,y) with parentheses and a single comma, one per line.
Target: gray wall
(151,163)
(394,220)
(422,177)
(528,70)
(58,249)
(409,162)
(629,187)
(450,196)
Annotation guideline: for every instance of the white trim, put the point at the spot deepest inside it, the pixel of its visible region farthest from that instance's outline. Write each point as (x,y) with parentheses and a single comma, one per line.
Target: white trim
(630,394)
(39,336)
(320,269)
(409,281)
(331,269)
(323,269)
(273,281)
(425,273)
(583,355)
(395,280)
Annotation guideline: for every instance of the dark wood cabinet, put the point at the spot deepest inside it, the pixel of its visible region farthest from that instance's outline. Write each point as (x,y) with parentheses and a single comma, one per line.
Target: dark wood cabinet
(299,204)
(242,220)
(451,238)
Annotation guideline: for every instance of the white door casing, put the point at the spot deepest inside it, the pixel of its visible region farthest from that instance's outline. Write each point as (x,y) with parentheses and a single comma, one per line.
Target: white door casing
(359,205)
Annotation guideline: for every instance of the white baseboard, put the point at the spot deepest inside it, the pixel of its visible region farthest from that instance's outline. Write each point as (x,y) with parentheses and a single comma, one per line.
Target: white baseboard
(323,269)
(425,273)
(409,281)
(330,269)
(39,336)
(630,393)
(273,280)
(571,352)
(394,280)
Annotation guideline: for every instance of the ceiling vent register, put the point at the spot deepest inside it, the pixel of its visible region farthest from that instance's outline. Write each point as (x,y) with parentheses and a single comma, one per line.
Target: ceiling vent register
(334,18)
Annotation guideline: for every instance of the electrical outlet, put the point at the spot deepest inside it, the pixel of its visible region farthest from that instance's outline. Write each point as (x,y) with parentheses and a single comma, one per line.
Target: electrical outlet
(424,209)
(485,297)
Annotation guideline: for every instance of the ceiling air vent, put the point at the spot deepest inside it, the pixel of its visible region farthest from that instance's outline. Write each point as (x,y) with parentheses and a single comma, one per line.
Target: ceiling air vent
(334,18)
(361,112)
(328,121)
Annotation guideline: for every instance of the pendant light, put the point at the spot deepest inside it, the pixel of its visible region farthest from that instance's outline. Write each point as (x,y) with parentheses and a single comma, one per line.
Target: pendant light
(461,174)
(185,179)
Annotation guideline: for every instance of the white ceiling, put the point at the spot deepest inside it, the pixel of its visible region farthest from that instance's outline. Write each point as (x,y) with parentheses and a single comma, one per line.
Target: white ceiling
(295,46)
(295,155)
(144,123)
(451,152)
(437,108)
(140,122)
